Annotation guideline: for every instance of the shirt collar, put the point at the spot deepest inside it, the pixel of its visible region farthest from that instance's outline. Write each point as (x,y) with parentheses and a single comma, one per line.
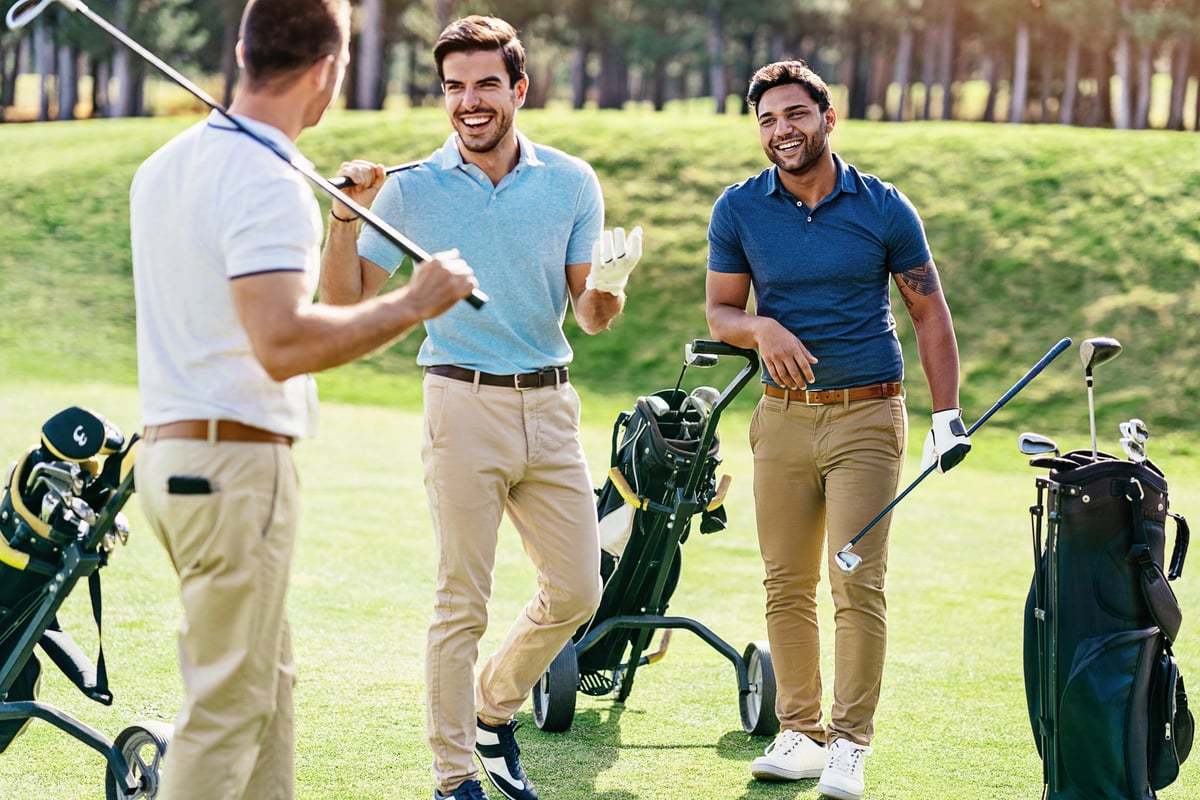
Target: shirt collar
(449,157)
(845,180)
(276,137)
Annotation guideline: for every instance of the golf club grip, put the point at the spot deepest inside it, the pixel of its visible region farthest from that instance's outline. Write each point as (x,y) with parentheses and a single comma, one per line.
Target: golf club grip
(343,182)
(1034,371)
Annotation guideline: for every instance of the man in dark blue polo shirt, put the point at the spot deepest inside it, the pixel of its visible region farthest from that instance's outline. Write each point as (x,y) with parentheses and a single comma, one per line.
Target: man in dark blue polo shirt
(821,243)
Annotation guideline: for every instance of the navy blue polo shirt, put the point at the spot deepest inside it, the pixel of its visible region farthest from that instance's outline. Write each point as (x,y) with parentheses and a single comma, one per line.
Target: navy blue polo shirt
(824,273)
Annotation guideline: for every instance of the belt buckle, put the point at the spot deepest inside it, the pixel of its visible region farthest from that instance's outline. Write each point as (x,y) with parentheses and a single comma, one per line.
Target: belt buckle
(810,403)
(517,377)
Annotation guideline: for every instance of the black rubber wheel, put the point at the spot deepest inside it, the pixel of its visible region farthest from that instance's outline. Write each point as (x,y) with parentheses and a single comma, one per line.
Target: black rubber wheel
(758,705)
(143,745)
(554,694)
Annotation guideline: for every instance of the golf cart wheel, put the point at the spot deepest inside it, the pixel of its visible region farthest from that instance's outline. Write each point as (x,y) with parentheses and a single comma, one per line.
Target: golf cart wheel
(758,704)
(143,745)
(554,694)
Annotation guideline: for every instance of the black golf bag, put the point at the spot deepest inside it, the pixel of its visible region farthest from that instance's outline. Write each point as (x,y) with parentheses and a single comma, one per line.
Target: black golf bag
(50,504)
(1105,696)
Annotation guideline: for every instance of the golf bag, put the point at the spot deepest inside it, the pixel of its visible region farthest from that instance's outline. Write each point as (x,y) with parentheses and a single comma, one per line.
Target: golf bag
(51,533)
(654,449)
(1106,700)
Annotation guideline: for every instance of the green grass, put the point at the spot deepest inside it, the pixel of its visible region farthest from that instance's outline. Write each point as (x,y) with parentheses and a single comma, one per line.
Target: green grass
(952,721)
(1039,233)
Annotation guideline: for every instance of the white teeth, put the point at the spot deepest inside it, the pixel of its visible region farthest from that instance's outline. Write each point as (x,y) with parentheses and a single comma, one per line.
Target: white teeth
(475,120)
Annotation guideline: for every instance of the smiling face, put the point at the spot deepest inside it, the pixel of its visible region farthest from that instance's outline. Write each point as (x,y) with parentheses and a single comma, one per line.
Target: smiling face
(793,129)
(480,100)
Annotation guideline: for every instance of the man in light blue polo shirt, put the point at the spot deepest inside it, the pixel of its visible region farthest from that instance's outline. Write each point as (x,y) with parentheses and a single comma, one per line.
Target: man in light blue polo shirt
(821,244)
(501,418)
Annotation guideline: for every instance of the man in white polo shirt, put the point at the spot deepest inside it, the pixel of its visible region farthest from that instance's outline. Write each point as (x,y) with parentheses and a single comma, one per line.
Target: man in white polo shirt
(226,242)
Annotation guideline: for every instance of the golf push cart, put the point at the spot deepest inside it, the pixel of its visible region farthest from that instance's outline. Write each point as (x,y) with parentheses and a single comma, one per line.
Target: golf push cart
(60,519)
(663,474)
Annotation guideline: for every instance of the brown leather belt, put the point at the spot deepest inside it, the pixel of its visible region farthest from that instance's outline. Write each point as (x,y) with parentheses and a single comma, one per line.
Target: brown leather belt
(824,397)
(227,431)
(524,380)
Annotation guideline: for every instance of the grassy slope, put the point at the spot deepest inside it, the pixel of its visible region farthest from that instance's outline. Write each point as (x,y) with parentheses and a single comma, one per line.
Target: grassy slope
(1039,233)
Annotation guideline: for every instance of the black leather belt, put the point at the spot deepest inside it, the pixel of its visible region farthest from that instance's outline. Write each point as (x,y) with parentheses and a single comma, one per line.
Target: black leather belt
(525,380)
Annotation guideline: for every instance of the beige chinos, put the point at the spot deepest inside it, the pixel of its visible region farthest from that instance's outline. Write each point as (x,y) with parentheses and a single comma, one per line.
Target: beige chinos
(488,450)
(232,549)
(821,473)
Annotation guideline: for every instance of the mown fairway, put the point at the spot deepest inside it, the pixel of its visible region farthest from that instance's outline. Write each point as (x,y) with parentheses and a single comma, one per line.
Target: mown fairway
(1039,233)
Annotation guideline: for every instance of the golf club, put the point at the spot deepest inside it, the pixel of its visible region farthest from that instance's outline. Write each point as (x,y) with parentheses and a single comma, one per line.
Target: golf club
(847,561)
(1094,352)
(24,11)
(343,182)
(1134,435)
(1035,444)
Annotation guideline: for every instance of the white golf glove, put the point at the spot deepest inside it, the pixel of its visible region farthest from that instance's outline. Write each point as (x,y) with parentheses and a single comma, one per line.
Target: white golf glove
(947,442)
(613,257)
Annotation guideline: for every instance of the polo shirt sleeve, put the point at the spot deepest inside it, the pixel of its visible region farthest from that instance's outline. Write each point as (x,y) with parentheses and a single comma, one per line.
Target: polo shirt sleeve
(268,228)
(907,246)
(589,219)
(725,251)
(372,245)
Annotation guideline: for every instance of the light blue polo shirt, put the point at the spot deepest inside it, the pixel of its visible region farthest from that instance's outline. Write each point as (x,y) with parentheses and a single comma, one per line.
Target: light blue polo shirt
(517,236)
(824,273)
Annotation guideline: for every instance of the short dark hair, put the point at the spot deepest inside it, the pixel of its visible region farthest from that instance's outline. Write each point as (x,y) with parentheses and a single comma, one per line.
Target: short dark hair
(477,32)
(280,38)
(781,73)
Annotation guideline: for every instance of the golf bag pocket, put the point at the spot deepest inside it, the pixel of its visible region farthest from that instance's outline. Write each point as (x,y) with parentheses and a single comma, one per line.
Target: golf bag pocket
(1171,724)
(1102,714)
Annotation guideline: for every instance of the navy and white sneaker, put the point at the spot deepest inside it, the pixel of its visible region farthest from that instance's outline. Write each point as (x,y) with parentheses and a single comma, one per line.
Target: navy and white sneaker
(497,749)
(467,790)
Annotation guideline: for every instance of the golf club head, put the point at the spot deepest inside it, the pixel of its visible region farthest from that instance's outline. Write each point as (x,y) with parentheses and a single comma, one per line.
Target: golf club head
(708,394)
(1035,444)
(847,562)
(657,405)
(1097,350)
(694,359)
(1135,429)
(1135,451)
(1053,463)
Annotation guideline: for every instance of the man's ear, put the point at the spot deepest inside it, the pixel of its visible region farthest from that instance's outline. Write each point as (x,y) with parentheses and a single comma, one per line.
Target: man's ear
(323,72)
(522,89)
(238,51)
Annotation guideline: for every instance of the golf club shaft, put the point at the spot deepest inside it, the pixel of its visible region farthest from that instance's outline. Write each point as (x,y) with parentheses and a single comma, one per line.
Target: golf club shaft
(410,248)
(343,182)
(1091,413)
(1053,353)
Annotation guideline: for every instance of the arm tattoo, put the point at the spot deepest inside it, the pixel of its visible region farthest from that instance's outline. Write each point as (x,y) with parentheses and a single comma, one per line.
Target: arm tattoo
(923,280)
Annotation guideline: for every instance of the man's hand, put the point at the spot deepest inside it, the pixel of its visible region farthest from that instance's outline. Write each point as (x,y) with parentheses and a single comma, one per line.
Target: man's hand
(366,179)
(439,283)
(613,257)
(947,442)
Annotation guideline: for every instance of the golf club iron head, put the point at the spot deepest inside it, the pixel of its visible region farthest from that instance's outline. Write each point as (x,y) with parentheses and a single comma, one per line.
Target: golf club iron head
(694,359)
(847,562)
(1035,444)
(1097,350)
(1135,429)
(1135,451)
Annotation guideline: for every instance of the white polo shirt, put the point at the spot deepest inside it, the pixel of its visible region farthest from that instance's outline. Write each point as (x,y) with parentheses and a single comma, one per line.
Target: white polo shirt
(208,207)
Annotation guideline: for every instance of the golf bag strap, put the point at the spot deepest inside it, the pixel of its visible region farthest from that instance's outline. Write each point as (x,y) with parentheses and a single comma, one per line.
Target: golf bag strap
(1182,536)
(90,679)
(1160,599)
(622,419)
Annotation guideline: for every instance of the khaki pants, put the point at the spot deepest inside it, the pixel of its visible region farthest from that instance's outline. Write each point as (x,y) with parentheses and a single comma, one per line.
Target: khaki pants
(823,472)
(488,450)
(232,549)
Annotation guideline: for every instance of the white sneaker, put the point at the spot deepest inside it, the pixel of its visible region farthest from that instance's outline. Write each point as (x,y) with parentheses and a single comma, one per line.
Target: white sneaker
(842,778)
(790,757)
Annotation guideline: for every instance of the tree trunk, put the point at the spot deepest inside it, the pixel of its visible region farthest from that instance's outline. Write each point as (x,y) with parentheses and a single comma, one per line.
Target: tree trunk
(716,48)
(230,23)
(369,85)
(442,11)
(1124,68)
(1181,67)
(987,72)
(43,50)
(1066,113)
(929,66)
(946,64)
(123,70)
(903,62)
(1145,72)
(1101,113)
(658,84)
(68,81)
(579,73)
(1019,92)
